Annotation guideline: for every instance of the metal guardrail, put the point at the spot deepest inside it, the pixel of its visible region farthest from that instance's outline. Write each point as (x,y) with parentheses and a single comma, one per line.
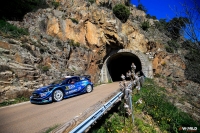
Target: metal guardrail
(89,116)
(85,124)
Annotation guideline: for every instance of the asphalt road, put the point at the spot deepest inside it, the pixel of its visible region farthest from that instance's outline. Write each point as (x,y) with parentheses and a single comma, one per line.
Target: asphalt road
(33,118)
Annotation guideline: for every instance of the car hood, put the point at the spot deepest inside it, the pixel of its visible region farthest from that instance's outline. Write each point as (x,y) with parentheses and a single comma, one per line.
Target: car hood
(44,88)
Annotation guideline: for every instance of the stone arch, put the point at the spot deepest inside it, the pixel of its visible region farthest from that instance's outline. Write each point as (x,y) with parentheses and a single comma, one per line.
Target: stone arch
(146,65)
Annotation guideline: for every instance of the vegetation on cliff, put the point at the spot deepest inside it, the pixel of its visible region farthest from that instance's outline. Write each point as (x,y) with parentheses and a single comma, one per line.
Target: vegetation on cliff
(16,9)
(11,31)
(121,12)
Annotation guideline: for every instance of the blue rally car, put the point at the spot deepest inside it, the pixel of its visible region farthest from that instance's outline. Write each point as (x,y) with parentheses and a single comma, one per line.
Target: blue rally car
(63,88)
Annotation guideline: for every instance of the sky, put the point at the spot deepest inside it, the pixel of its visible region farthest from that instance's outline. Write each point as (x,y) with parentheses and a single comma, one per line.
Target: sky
(162,9)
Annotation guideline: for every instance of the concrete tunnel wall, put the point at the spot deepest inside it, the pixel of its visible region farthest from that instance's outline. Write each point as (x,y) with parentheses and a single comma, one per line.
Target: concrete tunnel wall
(120,61)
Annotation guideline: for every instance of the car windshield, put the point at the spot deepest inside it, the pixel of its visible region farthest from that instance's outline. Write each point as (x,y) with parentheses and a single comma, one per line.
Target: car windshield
(57,81)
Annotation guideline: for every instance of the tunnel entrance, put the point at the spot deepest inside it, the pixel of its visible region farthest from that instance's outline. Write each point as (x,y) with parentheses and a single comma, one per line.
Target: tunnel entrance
(120,63)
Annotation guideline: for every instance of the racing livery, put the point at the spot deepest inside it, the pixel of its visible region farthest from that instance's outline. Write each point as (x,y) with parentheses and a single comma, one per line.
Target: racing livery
(62,88)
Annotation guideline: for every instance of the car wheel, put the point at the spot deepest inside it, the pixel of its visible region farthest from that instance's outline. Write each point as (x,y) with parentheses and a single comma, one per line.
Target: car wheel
(89,88)
(57,95)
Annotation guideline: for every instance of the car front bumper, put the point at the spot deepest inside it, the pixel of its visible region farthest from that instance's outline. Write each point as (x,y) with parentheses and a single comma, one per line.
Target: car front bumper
(40,100)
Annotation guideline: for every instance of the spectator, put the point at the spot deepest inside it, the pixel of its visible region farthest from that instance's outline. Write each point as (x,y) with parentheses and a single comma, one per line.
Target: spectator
(133,74)
(130,75)
(127,75)
(137,81)
(133,67)
(123,77)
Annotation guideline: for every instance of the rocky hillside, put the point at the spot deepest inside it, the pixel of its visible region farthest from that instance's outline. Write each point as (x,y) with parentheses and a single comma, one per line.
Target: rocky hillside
(74,37)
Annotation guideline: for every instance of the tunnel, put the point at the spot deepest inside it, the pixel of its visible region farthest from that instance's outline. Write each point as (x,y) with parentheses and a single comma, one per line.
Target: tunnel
(120,63)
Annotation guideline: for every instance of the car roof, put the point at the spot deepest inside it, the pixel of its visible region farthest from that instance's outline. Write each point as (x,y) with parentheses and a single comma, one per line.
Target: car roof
(70,76)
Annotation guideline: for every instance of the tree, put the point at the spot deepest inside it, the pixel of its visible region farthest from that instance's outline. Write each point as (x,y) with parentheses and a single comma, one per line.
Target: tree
(192,13)
(145,25)
(121,12)
(152,17)
(176,26)
(142,8)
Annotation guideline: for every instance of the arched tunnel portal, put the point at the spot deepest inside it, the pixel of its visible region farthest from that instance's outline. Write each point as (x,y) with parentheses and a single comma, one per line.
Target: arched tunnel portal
(119,62)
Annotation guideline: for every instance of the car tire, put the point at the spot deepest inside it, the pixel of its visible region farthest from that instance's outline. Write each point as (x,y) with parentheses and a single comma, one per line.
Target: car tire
(57,95)
(89,88)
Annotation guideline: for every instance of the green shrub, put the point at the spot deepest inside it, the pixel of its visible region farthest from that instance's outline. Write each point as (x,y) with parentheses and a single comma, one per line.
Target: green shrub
(51,128)
(72,43)
(161,25)
(169,80)
(173,43)
(112,121)
(45,68)
(145,25)
(92,1)
(121,12)
(152,17)
(144,127)
(59,45)
(142,8)
(74,20)
(42,50)
(55,4)
(157,75)
(9,30)
(169,49)
(109,81)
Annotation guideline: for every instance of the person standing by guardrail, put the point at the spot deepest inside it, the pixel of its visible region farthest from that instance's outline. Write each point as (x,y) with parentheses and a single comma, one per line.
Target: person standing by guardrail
(129,75)
(133,68)
(137,82)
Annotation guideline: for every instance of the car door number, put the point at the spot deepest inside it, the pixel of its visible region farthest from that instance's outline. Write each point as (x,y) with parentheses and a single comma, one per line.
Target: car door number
(70,87)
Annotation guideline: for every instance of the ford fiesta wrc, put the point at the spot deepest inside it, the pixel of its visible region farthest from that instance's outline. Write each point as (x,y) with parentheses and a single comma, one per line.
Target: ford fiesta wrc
(62,88)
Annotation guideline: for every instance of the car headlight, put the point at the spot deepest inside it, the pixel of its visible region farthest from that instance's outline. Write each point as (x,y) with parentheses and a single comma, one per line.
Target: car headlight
(43,94)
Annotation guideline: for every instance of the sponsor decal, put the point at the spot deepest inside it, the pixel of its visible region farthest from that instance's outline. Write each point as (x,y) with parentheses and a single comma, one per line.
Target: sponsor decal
(67,88)
(72,91)
(71,86)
